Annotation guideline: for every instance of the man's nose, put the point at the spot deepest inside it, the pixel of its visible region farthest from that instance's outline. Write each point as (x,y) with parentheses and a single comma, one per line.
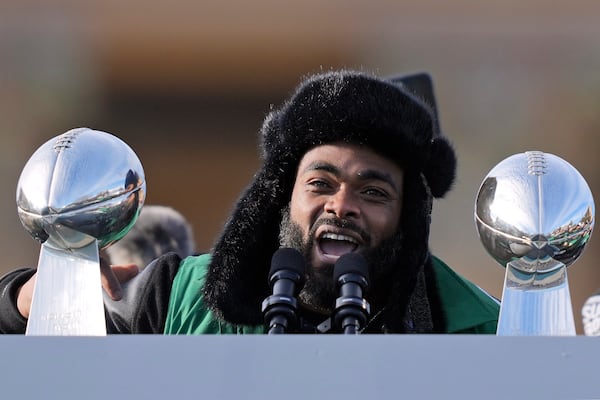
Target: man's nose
(343,204)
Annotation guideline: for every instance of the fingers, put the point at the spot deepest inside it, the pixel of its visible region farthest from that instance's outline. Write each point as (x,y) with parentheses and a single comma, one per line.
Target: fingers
(110,282)
(125,272)
(24,296)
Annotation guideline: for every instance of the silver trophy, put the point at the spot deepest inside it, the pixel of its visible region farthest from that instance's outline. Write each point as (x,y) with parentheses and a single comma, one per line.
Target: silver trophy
(79,192)
(535,214)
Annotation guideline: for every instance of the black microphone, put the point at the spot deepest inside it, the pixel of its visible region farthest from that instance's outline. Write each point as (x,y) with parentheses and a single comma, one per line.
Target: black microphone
(590,312)
(351,273)
(286,278)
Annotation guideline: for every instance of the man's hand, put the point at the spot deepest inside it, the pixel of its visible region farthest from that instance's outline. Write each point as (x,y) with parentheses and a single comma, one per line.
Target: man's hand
(112,277)
(24,296)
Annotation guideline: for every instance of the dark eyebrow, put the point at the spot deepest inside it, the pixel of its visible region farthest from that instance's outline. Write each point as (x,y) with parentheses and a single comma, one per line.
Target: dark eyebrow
(363,175)
(378,175)
(322,166)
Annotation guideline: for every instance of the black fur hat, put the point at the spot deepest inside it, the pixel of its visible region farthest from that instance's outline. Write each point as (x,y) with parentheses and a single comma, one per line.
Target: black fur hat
(340,106)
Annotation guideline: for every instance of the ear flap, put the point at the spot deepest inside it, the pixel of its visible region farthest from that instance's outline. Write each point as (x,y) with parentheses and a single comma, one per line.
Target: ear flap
(396,118)
(440,168)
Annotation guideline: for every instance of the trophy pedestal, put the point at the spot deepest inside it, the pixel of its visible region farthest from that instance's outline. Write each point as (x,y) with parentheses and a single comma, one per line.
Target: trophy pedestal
(67,299)
(535,215)
(536,303)
(79,192)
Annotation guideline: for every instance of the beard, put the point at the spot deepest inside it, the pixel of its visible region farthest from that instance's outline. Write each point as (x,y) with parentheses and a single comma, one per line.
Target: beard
(320,291)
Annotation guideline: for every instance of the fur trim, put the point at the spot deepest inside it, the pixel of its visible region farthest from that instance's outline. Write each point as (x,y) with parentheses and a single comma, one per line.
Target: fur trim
(440,169)
(353,108)
(341,106)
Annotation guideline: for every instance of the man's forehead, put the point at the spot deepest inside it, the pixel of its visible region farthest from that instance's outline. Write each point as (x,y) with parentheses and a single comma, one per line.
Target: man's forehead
(356,160)
(345,153)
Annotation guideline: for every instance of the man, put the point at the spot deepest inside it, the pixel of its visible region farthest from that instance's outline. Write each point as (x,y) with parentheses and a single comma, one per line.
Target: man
(351,163)
(157,231)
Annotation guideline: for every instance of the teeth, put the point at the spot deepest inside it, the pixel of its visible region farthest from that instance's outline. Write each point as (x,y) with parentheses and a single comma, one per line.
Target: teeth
(333,236)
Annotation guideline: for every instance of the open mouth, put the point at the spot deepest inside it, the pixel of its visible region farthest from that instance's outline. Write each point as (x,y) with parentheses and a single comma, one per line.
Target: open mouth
(335,244)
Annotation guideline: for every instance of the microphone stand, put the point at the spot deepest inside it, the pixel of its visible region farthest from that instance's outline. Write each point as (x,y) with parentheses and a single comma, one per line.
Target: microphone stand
(286,277)
(351,309)
(280,309)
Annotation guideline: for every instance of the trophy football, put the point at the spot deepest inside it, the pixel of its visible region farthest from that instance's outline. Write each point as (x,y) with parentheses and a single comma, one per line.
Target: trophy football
(79,192)
(535,214)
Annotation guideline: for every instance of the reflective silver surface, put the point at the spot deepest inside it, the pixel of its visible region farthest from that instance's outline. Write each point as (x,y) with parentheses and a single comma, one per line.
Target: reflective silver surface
(534,209)
(81,186)
(67,300)
(79,192)
(535,214)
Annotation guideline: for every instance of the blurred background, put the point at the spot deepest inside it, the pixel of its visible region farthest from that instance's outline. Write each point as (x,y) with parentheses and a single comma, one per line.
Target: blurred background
(187,84)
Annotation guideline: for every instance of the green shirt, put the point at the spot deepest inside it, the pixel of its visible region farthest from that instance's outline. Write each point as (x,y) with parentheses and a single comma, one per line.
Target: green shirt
(468,309)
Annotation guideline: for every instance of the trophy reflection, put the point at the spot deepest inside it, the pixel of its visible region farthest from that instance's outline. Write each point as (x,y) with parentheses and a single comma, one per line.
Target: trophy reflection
(79,192)
(535,214)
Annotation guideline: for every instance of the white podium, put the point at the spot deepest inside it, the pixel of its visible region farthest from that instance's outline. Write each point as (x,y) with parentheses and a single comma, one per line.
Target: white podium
(300,367)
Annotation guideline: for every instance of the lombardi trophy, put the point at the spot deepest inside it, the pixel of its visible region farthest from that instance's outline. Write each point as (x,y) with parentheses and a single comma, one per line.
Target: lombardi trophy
(535,214)
(79,192)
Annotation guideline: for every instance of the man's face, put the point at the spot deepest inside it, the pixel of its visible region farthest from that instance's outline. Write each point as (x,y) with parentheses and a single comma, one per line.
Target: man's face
(345,199)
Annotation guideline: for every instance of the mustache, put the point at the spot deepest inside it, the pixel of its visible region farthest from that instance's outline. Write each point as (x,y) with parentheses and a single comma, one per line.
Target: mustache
(340,223)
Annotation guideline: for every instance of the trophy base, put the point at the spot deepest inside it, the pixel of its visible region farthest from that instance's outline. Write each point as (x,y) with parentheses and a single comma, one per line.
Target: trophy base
(536,303)
(67,299)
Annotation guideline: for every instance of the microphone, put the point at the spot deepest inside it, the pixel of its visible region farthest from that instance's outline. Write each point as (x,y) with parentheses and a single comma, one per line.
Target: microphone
(590,312)
(351,274)
(286,278)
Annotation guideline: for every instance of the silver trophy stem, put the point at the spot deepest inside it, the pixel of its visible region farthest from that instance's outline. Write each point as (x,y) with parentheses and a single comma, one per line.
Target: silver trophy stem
(67,299)
(536,303)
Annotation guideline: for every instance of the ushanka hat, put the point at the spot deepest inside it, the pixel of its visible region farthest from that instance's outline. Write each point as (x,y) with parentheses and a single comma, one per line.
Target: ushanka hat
(393,117)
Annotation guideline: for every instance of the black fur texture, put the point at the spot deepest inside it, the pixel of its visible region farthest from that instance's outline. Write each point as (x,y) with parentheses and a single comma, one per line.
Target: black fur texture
(339,106)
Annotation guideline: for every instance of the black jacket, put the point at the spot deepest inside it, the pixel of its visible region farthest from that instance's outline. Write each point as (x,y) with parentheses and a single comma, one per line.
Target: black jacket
(143,308)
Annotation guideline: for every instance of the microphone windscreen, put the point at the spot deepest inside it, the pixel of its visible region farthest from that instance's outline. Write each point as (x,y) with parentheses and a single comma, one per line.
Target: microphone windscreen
(287,259)
(351,263)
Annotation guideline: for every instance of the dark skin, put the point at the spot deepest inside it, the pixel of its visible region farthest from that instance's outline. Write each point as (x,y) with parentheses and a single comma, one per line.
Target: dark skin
(346,198)
(337,181)
(112,276)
